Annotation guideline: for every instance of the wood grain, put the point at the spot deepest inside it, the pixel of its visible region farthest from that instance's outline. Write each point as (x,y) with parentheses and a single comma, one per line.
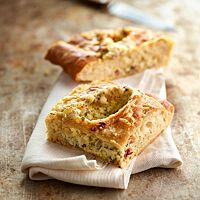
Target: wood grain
(27,30)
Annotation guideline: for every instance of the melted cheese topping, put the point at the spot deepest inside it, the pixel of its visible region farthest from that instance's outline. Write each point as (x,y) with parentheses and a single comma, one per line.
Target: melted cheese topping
(109,43)
(94,103)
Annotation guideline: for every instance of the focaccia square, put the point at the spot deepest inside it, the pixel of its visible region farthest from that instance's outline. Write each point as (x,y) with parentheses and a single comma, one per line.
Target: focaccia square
(110,54)
(112,122)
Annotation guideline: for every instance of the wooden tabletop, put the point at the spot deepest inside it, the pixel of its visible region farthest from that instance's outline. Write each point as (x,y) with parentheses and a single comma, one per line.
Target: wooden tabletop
(27,28)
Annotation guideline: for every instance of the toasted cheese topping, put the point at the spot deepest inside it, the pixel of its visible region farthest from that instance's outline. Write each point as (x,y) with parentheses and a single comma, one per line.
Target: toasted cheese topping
(108,43)
(94,102)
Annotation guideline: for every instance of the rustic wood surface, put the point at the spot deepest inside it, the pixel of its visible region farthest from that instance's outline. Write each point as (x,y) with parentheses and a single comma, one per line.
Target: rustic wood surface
(27,28)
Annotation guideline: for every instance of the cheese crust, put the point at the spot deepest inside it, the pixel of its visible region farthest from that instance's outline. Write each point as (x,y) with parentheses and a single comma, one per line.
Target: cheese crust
(110,54)
(110,121)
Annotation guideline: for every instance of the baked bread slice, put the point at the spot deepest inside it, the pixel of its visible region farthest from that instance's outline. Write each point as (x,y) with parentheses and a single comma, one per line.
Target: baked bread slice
(110,54)
(109,121)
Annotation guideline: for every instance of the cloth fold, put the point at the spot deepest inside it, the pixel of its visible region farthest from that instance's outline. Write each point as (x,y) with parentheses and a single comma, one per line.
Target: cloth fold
(46,160)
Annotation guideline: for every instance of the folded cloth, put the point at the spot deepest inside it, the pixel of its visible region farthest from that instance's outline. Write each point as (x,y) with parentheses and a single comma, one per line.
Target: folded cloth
(46,160)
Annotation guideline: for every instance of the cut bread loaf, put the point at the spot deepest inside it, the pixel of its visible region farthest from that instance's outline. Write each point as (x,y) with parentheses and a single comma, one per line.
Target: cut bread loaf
(110,54)
(109,121)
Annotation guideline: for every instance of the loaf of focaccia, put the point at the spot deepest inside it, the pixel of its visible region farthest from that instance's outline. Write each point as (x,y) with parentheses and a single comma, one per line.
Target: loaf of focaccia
(109,121)
(110,54)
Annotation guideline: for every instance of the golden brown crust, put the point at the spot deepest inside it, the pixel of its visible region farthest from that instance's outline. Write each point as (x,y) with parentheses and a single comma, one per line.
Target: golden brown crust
(69,57)
(97,46)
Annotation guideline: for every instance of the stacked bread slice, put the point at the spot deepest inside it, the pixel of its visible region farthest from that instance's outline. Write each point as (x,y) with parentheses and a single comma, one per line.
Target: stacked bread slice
(110,121)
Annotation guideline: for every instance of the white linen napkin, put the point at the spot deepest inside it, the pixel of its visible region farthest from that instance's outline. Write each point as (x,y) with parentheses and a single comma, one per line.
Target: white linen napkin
(46,160)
